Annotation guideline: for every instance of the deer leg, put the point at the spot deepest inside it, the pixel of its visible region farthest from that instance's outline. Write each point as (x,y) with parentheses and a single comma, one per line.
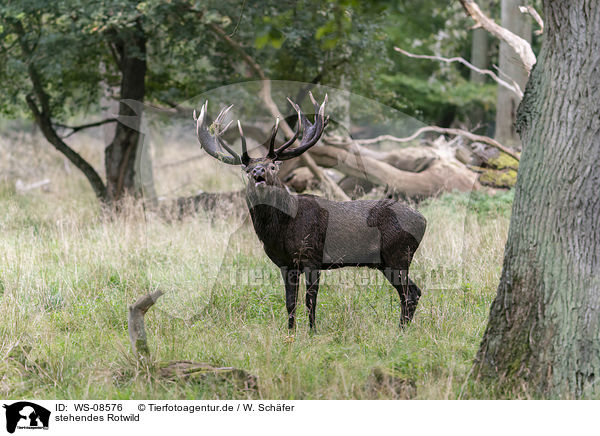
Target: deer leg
(407,290)
(312,289)
(412,294)
(291,279)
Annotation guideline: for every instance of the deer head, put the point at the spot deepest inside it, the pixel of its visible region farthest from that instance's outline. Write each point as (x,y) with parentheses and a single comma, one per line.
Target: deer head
(262,171)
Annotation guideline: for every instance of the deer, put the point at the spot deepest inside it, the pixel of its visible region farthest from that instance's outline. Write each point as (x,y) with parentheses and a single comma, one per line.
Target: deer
(304,234)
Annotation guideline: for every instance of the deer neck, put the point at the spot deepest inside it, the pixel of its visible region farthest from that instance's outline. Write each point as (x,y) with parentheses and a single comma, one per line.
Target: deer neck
(270,207)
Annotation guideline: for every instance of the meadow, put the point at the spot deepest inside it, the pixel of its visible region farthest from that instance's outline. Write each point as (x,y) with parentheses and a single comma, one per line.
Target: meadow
(68,273)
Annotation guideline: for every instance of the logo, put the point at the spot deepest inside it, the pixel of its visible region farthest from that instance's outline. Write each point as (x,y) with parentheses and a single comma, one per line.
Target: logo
(26,415)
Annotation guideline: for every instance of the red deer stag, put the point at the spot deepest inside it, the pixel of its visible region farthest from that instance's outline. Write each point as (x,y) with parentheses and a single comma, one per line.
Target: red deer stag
(304,234)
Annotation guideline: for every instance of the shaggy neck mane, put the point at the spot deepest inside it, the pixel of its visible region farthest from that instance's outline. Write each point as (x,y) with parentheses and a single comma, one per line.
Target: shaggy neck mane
(270,206)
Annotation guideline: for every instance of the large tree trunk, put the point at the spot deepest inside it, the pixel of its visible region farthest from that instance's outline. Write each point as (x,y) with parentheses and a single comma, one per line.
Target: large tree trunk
(510,63)
(544,327)
(122,176)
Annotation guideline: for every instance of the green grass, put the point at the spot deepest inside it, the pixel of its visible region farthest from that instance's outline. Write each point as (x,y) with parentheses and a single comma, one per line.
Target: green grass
(67,277)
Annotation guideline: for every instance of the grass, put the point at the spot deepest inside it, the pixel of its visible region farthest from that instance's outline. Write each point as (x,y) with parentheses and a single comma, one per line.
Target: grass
(67,276)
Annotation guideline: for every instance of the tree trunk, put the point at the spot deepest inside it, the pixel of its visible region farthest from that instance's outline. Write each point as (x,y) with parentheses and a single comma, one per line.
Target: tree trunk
(511,64)
(122,176)
(479,58)
(480,51)
(543,334)
(479,54)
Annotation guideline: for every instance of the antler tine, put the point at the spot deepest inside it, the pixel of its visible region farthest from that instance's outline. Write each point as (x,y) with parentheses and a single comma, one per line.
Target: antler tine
(226,127)
(312,132)
(314,102)
(298,126)
(245,156)
(271,152)
(222,114)
(210,141)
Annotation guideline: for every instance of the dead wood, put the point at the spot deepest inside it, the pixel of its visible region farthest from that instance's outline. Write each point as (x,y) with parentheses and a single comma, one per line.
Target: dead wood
(519,45)
(177,370)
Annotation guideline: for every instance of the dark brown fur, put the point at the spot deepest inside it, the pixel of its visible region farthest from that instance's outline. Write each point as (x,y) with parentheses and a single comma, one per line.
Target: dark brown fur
(304,234)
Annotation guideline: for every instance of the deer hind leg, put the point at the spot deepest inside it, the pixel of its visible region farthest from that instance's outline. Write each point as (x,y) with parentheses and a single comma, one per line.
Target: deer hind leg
(312,289)
(408,291)
(291,278)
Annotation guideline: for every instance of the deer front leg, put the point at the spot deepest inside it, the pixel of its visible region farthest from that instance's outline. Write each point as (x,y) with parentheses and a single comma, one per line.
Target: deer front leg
(312,289)
(407,290)
(291,278)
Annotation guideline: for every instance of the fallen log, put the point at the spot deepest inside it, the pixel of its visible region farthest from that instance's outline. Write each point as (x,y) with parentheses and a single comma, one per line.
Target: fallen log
(443,171)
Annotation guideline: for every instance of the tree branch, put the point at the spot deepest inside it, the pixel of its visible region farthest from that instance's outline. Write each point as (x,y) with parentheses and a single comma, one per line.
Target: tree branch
(42,116)
(75,129)
(45,125)
(265,95)
(514,87)
(531,11)
(444,131)
(521,47)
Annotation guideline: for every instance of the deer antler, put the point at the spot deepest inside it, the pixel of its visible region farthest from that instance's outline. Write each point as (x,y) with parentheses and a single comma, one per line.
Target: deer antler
(210,138)
(312,131)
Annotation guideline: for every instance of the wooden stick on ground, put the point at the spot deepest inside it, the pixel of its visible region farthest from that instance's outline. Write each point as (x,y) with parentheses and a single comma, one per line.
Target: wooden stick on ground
(135,321)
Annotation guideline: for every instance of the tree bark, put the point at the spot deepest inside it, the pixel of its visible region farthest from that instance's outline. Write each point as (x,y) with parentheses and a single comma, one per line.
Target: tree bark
(543,334)
(511,64)
(479,52)
(480,59)
(120,156)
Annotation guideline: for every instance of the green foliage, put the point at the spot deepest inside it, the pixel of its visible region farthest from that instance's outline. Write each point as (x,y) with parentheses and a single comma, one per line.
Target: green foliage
(342,42)
(434,100)
(71,43)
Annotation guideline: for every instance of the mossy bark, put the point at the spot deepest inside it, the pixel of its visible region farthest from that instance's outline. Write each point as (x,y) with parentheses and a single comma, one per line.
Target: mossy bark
(543,334)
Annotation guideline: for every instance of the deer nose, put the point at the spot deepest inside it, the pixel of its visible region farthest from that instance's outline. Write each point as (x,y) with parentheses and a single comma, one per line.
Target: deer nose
(259,171)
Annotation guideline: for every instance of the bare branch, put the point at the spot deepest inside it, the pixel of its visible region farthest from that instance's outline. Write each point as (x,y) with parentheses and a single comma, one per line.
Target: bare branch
(507,77)
(521,47)
(75,129)
(514,87)
(531,11)
(444,131)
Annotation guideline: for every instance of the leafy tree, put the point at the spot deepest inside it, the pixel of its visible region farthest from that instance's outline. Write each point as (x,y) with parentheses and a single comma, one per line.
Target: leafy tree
(62,56)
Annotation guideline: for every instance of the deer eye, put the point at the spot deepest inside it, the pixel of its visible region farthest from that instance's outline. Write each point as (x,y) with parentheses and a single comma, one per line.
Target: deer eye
(271,167)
